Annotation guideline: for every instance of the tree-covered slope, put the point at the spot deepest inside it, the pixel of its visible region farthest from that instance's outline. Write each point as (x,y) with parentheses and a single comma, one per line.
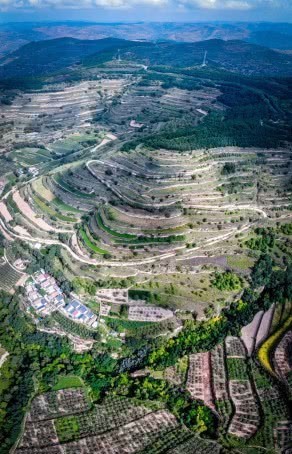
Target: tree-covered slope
(49,56)
(46,57)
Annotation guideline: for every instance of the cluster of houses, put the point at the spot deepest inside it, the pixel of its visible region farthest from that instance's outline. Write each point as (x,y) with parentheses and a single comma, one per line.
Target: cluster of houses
(45,296)
(76,310)
(33,171)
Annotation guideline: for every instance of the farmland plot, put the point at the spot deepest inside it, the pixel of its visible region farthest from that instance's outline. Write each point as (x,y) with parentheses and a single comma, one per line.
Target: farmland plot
(283,436)
(282,356)
(220,385)
(246,418)
(26,210)
(113,413)
(5,213)
(234,348)
(219,373)
(274,408)
(8,276)
(134,436)
(38,435)
(53,113)
(59,424)
(196,445)
(199,378)
(58,403)
(177,374)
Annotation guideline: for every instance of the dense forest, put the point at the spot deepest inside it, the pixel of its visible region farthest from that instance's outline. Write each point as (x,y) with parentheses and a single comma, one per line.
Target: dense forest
(255,113)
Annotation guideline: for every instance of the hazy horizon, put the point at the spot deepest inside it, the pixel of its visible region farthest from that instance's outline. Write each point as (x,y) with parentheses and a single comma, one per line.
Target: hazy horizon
(136,22)
(108,11)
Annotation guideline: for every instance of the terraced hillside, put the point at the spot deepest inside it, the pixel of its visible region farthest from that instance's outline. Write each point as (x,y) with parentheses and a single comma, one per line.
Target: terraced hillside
(158,215)
(160,203)
(54,113)
(95,427)
(145,246)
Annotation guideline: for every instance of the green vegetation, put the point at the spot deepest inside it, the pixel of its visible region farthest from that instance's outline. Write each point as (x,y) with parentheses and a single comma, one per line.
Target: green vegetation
(60,181)
(263,242)
(121,325)
(151,297)
(241,262)
(48,210)
(90,244)
(266,349)
(228,168)
(68,381)
(227,281)
(67,428)
(83,285)
(237,369)
(286,229)
(195,416)
(262,271)
(75,328)
(102,226)
(216,131)
(64,206)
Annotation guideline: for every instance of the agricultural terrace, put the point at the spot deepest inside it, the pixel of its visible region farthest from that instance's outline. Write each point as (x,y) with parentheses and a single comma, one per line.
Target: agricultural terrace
(10,277)
(199,378)
(169,220)
(47,116)
(274,405)
(245,420)
(66,420)
(282,356)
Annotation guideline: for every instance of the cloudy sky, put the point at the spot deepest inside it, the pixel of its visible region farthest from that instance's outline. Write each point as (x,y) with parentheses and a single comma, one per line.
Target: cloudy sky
(148,10)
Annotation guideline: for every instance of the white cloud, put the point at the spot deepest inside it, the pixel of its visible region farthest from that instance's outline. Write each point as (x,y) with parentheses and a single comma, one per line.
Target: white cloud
(235,4)
(219,4)
(80,3)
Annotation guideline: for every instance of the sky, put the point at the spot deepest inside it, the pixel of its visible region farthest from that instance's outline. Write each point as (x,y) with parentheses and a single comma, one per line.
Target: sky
(146,10)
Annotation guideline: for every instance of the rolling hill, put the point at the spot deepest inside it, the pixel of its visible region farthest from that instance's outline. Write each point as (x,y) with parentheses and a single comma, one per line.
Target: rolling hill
(47,57)
(274,35)
(231,55)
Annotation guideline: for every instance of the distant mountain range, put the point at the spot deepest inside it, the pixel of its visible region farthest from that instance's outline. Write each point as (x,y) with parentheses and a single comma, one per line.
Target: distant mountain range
(273,35)
(47,57)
